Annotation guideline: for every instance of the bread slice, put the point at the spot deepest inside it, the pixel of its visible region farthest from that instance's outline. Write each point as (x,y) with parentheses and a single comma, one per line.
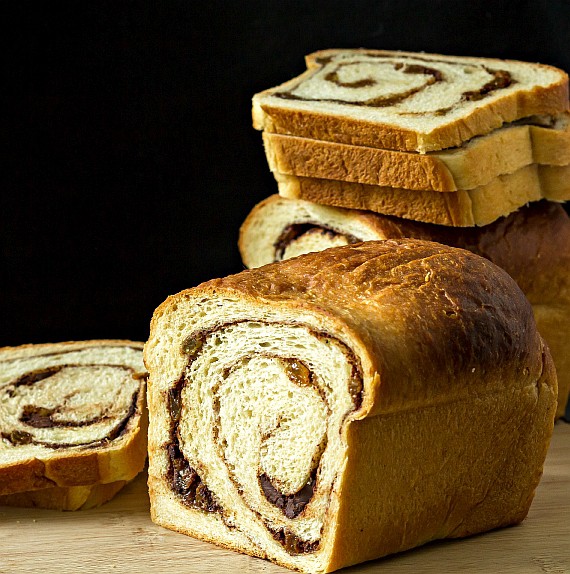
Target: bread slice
(532,245)
(71,415)
(347,404)
(64,498)
(407,101)
(472,165)
(463,208)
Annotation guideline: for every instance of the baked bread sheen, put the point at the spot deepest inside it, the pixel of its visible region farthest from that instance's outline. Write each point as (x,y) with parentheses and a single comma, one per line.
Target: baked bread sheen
(347,404)
(71,415)
(532,245)
(407,101)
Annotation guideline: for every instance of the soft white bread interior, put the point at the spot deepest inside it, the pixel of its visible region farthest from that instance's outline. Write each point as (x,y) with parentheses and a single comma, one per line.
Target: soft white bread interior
(462,208)
(407,101)
(71,414)
(347,404)
(532,245)
(476,163)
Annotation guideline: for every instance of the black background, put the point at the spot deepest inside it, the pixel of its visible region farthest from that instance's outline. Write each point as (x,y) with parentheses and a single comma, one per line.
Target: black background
(129,160)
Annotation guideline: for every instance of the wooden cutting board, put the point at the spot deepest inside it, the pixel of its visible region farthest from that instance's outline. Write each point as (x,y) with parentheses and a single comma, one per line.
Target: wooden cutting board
(119,537)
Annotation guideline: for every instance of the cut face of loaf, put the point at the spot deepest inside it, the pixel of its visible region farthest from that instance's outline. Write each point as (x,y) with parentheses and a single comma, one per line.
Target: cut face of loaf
(347,404)
(532,245)
(463,208)
(71,414)
(472,165)
(407,101)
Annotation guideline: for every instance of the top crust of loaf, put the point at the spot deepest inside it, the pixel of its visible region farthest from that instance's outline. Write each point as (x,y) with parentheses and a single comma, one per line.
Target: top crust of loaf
(32,467)
(348,96)
(413,311)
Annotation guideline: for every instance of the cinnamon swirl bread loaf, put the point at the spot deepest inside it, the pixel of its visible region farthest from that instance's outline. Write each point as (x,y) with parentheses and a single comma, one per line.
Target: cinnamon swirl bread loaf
(347,404)
(532,245)
(72,422)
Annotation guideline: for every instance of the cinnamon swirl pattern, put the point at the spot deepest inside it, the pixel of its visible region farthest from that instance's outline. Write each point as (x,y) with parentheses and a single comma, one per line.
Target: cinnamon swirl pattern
(286,403)
(272,407)
(413,85)
(71,414)
(63,404)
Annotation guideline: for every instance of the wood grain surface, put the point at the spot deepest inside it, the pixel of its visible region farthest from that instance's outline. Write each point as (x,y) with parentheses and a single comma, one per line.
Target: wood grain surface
(119,537)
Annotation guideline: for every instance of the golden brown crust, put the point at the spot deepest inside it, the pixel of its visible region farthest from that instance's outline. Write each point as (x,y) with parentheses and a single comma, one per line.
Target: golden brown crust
(454,209)
(531,244)
(463,208)
(310,158)
(270,116)
(472,165)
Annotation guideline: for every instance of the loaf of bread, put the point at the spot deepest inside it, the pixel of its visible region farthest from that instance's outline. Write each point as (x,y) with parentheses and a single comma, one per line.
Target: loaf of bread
(71,415)
(532,245)
(463,208)
(347,404)
(472,165)
(407,101)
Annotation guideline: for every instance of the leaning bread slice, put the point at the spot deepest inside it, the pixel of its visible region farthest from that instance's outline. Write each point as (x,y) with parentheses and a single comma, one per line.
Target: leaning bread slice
(347,404)
(407,101)
(532,245)
(71,414)
(462,208)
(472,165)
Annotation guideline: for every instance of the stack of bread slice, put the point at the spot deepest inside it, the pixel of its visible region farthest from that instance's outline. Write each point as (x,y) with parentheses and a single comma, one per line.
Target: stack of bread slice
(73,422)
(439,139)
(470,152)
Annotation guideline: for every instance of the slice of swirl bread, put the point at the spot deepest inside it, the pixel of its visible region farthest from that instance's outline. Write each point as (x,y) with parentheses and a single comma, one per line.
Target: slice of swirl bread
(532,245)
(472,165)
(347,404)
(463,208)
(407,101)
(71,414)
